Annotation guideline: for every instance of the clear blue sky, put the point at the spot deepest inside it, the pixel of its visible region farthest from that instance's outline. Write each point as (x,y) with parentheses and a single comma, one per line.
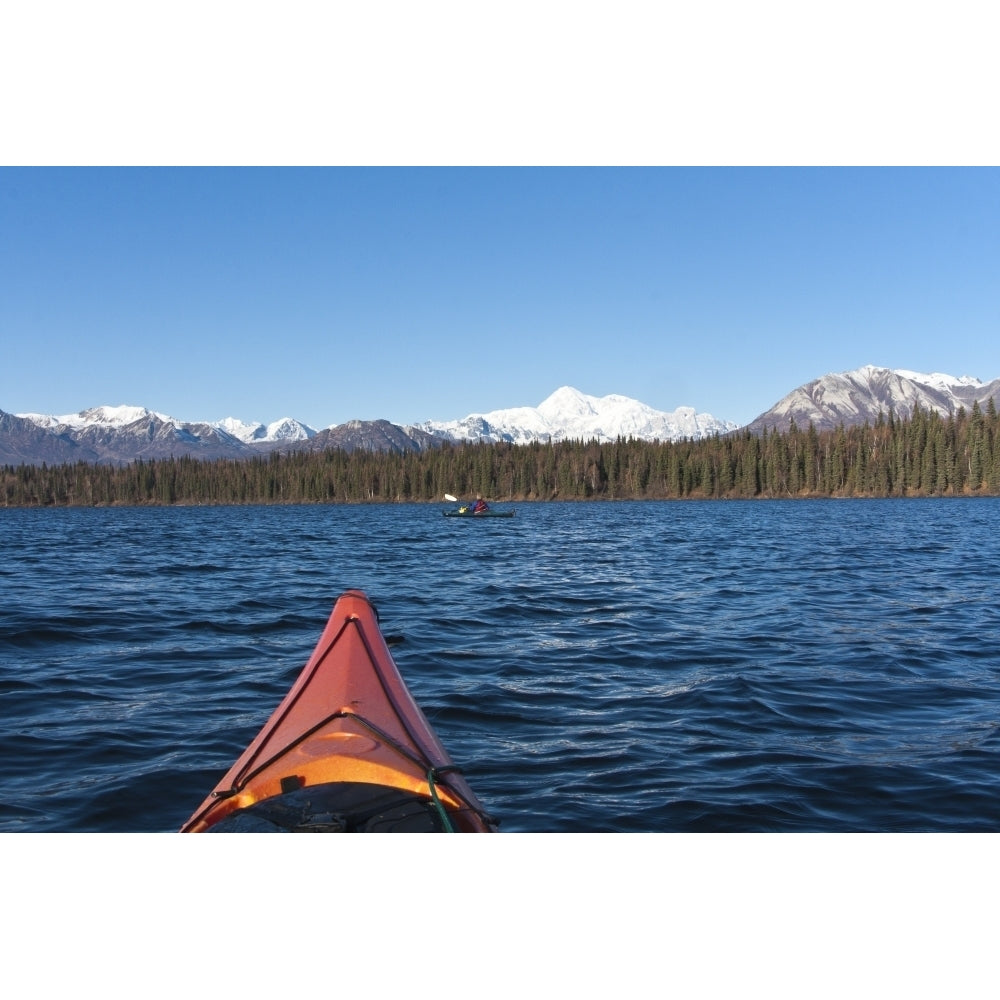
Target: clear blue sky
(336,293)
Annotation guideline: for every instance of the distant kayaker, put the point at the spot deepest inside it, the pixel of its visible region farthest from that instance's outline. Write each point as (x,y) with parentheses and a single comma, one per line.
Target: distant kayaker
(480,505)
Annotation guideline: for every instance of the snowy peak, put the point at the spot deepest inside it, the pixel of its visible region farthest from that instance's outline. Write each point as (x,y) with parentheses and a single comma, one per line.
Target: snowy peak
(100,416)
(121,416)
(569,402)
(288,429)
(569,414)
(241,430)
(937,380)
(285,429)
(860,395)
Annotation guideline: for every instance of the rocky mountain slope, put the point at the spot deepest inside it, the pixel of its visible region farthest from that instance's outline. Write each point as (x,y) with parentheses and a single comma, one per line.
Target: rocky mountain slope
(857,396)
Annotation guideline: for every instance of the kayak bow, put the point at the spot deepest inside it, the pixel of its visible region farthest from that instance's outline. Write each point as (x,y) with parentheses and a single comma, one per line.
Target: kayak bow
(347,750)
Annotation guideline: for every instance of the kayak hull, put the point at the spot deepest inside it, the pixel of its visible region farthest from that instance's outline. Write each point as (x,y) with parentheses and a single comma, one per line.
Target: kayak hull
(481,514)
(347,749)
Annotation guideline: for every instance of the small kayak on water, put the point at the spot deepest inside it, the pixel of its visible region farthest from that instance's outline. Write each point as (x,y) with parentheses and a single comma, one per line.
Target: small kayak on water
(348,750)
(468,509)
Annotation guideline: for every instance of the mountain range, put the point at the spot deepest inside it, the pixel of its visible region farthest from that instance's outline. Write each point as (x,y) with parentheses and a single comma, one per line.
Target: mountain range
(122,434)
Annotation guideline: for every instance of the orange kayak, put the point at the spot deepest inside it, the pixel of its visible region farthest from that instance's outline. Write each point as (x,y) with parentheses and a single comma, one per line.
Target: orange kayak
(347,750)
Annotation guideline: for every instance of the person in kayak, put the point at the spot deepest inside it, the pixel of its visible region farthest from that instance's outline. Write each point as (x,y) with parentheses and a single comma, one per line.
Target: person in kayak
(480,506)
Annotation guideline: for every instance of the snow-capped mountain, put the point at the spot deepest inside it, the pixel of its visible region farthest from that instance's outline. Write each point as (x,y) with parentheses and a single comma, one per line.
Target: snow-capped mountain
(99,416)
(856,396)
(569,414)
(121,434)
(285,429)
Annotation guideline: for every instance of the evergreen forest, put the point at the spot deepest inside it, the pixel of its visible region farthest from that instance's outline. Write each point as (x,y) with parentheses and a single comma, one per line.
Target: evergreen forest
(926,454)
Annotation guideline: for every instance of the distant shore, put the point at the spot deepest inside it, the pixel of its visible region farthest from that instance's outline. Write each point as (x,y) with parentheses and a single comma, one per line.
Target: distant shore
(925,455)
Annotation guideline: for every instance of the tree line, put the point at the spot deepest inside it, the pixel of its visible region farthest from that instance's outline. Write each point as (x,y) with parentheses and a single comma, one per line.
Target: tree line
(925,454)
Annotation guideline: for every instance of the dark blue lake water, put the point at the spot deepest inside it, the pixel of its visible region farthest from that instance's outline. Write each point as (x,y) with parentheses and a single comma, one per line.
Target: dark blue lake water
(692,666)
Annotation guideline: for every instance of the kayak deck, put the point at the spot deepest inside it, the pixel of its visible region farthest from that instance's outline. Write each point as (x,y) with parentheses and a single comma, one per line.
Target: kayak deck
(347,750)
